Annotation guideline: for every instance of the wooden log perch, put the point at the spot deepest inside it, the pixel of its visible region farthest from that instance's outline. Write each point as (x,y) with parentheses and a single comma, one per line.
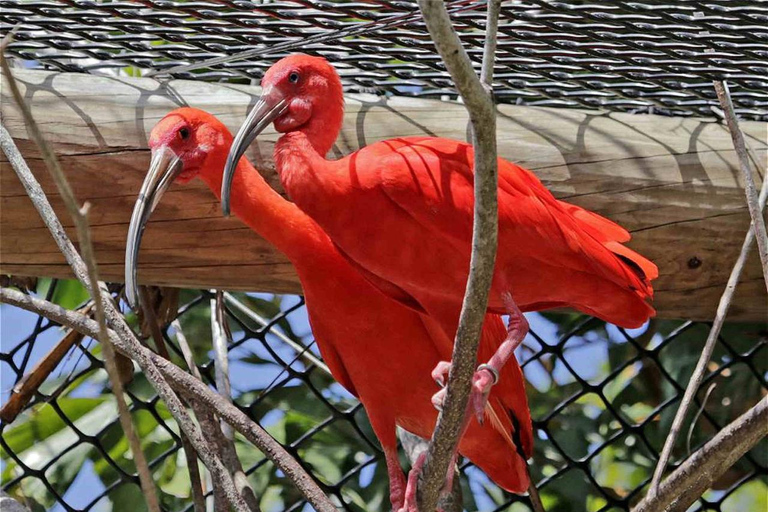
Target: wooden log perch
(673,182)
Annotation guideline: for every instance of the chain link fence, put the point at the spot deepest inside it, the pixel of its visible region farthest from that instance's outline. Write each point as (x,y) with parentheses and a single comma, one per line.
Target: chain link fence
(602,399)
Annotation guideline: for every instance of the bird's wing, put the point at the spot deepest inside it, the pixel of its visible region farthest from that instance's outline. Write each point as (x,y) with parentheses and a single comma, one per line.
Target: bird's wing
(335,364)
(432,180)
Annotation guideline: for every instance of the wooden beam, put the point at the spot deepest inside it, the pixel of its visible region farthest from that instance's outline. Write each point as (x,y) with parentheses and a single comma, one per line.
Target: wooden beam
(673,182)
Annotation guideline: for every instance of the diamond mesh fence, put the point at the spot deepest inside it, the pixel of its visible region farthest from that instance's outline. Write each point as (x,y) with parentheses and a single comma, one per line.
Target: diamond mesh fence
(602,399)
(637,56)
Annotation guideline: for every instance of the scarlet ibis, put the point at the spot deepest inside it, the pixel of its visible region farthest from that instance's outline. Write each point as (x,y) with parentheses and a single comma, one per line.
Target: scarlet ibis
(379,350)
(401,211)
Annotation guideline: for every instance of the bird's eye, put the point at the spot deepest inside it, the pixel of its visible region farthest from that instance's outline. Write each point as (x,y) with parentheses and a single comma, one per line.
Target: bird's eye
(184,133)
(293,77)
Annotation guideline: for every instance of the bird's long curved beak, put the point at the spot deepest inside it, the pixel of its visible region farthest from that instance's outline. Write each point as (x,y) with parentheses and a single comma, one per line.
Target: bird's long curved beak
(270,106)
(163,169)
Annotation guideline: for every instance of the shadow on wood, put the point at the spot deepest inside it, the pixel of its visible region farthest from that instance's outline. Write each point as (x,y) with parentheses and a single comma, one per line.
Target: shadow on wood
(673,182)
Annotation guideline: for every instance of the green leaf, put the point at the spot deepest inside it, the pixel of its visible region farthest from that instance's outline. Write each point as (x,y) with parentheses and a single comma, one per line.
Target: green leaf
(42,421)
(752,495)
(69,294)
(128,498)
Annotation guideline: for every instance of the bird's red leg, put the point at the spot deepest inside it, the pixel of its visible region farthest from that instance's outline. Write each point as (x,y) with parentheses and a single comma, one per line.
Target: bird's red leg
(487,374)
(397,485)
(410,503)
(448,488)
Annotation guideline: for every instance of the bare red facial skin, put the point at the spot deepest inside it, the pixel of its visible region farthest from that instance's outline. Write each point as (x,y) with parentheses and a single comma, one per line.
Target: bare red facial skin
(310,85)
(299,112)
(192,135)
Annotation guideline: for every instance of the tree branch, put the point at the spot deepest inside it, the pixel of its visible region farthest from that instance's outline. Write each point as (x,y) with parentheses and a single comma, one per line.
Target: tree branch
(26,388)
(80,217)
(115,319)
(758,223)
(688,482)
(709,346)
(188,386)
(484,239)
(194,471)
(220,335)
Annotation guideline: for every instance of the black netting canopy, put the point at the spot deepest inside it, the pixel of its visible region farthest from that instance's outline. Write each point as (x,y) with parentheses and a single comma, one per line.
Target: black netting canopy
(637,56)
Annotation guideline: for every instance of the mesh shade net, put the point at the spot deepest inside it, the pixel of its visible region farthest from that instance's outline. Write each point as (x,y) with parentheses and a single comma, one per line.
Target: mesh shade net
(617,55)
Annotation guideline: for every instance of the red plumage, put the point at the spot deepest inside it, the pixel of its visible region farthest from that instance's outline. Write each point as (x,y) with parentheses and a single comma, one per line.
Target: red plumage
(378,349)
(401,212)
(405,216)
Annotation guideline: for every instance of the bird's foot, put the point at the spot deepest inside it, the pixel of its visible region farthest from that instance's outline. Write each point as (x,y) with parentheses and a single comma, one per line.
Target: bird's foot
(440,373)
(482,382)
(410,503)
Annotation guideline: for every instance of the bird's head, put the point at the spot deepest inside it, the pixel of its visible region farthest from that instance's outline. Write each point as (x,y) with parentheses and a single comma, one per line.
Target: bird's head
(183,144)
(306,86)
(188,137)
(299,93)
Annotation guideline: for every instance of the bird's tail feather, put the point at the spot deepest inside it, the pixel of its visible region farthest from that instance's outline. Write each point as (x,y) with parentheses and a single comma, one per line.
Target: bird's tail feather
(612,236)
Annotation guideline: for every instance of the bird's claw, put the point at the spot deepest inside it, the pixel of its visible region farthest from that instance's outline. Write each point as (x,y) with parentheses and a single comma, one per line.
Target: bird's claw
(440,373)
(482,382)
(438,399)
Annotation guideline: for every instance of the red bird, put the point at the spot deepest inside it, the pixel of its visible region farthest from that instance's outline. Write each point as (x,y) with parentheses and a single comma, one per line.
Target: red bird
(379,350)
(402,209)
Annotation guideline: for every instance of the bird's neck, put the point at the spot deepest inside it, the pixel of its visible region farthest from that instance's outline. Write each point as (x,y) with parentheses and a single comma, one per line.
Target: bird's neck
(269,214)
(305,173)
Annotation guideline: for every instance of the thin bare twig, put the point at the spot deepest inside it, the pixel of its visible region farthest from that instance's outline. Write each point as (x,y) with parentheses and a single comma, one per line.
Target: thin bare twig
(185,384)
(758,223)
(203,414)
(27,387)
(150,319)
(484,239)
(688,482)
(220,335)
(709,347)
(147,308)
(80,217)
(114,317)
(696,416)
(195,479)
(220,354)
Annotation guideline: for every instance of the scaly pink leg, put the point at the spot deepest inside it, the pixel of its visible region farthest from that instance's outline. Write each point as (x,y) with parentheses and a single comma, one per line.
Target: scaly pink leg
(397,485)
(410,503)
(487,374)
(450,476)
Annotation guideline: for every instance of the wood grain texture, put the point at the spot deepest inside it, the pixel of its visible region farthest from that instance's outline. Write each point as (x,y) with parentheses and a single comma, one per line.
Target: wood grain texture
(673,182)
